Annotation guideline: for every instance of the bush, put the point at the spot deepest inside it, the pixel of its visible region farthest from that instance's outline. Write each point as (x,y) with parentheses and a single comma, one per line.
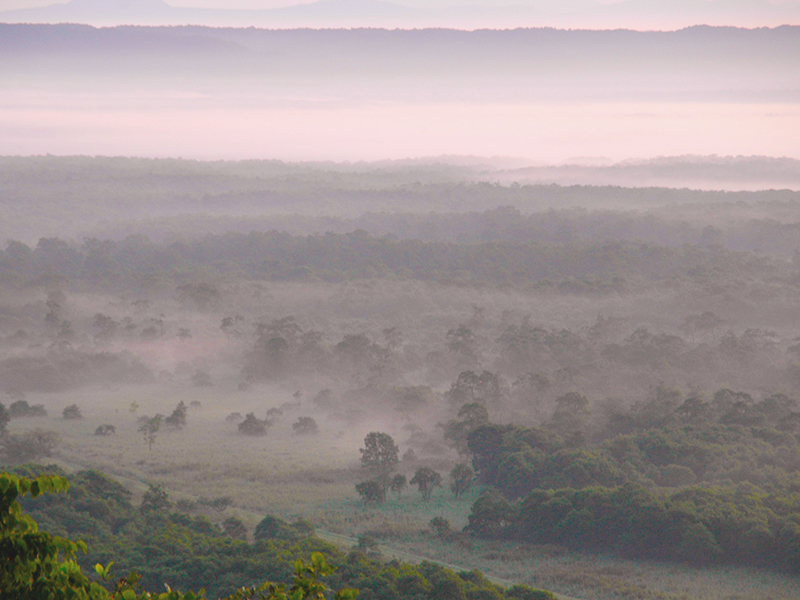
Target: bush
(234,528)
(274,528)
(72,412)
(523,592)
(440,527)
(253,426)
(156,498)
(21,409)
(371,492)
(305,426)
(29,446)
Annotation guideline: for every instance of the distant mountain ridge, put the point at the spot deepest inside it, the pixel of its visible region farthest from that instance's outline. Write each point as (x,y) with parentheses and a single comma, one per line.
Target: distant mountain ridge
(637,14)
(749,64)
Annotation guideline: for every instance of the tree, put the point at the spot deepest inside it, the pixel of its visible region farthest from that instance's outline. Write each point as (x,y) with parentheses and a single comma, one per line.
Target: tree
(398,484)
(379,454)
(149,430)
(461,479)
(156,498)
(305,426)
(253,426)
(177,420)
(274,528)
(105,429)
(426,480)
(234,528)
(37,564)
(440,527)
(72,412)
(371,492)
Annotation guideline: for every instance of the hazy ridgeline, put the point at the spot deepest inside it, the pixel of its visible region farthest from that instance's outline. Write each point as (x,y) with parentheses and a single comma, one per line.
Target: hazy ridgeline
(636,344)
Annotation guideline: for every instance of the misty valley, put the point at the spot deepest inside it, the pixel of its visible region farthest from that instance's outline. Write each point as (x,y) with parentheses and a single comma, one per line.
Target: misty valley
(438,377)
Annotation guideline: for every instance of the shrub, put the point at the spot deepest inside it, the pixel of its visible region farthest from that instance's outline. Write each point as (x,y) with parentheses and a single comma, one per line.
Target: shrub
(72,412)
(105,430)
(21,409)
(253,426)
(305,426)
(371,492)
(156,498)
(234,528)
(440,527)
(274,528)
(29,446)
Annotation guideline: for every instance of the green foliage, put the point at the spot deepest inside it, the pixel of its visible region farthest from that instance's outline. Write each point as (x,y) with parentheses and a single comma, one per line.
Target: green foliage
(177,420)
(523,592)
(380,454)
(305,426)
(274,528)
(28,446)
(398,484)
(4,419)
(440,527)
(253,426)
(371,491)
(427,480)
(156,498)
(72,412)
(149,430)
(461,478)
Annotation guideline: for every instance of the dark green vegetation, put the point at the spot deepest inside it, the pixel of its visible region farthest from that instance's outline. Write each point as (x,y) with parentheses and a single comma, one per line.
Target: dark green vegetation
(688,480)
(187,551)
(617,375)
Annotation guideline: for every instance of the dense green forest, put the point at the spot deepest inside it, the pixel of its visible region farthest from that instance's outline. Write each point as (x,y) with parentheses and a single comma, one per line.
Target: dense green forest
(186,551)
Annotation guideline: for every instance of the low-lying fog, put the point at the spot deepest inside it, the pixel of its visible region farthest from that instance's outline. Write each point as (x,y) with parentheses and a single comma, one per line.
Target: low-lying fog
(324,129)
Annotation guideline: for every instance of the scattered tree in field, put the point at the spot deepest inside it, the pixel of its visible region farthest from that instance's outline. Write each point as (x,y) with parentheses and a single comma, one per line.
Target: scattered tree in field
(461,478)
(371,492)
(379,455)
(305,426)
(177,420)
(234,417)
(234,528)
(105,429)
(156,498)
(398,484)
(72,412)
(21,409)
(440,527)
(253,426)
(149,430)
(426,480)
